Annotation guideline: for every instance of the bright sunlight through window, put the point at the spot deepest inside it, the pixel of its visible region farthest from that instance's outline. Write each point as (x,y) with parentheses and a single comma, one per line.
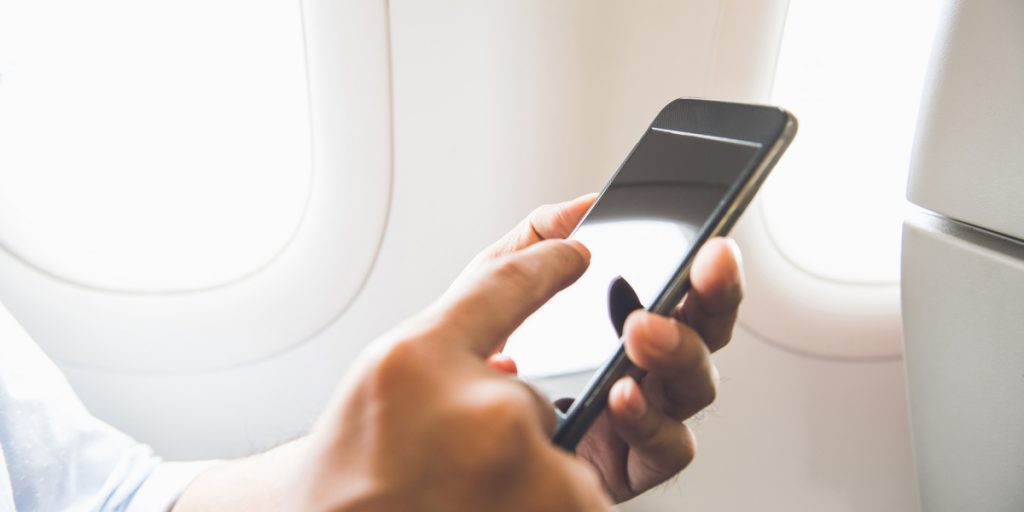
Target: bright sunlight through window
(152,146)
(852,72)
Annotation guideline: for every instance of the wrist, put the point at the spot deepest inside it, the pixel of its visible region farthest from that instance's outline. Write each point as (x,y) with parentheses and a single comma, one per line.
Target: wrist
(259,482)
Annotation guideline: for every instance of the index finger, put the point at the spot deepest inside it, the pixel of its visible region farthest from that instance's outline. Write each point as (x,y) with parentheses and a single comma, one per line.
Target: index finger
(493,303)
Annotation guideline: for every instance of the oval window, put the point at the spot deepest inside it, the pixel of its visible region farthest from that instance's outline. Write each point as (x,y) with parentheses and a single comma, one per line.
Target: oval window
(853,73)
(145,148)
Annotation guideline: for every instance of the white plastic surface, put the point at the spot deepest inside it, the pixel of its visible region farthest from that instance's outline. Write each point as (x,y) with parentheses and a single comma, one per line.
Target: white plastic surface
(307,285)
(963,287)
(801,312)
(968,153)
(498,107)
(962,305)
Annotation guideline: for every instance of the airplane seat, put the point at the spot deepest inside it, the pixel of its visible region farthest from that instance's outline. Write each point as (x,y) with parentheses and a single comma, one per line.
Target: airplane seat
(963,265)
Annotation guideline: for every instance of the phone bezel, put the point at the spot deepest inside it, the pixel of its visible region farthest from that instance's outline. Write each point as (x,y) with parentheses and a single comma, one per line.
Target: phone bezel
(773,129)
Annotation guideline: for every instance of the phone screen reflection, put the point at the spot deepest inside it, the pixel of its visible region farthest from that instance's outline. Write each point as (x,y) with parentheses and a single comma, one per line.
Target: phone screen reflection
(641,229)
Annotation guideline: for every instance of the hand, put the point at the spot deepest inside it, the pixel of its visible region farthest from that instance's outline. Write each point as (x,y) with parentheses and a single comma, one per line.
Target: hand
(424,423)
(640,440)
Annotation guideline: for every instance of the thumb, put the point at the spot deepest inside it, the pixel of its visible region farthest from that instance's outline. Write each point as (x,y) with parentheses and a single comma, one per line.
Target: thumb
(491,304)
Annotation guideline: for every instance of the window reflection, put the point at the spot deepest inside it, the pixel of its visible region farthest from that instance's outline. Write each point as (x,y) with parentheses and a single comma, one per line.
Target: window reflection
(573,331)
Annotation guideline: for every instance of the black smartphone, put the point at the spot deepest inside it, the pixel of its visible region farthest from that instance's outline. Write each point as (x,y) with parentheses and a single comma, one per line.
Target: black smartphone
(687,180)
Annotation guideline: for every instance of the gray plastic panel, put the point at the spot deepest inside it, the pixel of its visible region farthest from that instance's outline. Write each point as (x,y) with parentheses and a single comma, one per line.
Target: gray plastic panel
(969,154)
(963,317)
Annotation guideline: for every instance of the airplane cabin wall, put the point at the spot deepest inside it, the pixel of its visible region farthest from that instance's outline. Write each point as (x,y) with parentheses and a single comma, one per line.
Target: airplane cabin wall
(463,117)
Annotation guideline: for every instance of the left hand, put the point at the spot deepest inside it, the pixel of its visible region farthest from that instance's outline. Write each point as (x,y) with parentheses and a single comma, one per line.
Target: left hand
(640,440)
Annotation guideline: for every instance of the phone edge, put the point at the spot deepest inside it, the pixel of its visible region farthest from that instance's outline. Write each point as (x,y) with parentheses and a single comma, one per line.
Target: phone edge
(594,399)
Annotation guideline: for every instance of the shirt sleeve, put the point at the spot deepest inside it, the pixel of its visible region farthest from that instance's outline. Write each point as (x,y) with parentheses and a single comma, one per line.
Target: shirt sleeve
(165,484)
(57,456)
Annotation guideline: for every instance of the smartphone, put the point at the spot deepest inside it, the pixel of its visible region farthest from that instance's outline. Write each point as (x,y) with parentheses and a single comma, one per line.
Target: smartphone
(687,180)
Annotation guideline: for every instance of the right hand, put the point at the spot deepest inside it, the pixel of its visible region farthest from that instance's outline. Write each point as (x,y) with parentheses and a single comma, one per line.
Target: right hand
(424,423)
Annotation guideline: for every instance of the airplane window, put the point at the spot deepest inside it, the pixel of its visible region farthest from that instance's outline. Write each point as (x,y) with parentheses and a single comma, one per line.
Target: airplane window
(853,73)
(152,146)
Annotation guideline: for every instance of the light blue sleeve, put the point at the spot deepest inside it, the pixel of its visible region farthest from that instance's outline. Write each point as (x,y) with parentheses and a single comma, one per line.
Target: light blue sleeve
(56,456)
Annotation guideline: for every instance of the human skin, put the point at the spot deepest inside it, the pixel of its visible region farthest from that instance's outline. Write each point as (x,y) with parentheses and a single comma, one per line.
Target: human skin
(431,417)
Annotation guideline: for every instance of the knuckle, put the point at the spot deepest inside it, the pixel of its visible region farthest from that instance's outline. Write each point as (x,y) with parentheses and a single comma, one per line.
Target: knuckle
(539,212)
(565,221)
(390,375)
(708,392)
(399,362)
(536,218)
(535,274)
(564,262)
(691,395)
(695,353)
(569,257)
(688,450)
(508,411)
(516,272)
(503,417)
(727,334)
(401,352)
(683,458)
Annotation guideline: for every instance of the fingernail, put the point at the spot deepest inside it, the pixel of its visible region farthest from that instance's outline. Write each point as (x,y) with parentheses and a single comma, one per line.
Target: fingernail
(582,249)
(635,403)
(734,248)
(586,198)
(662,336)
(503,363)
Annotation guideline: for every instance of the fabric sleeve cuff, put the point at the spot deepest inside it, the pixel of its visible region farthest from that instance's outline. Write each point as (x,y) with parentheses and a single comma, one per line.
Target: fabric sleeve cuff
(165,484)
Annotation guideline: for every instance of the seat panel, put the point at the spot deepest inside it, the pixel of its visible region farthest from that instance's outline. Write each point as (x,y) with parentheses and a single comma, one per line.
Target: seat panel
(964,346)
(967,154)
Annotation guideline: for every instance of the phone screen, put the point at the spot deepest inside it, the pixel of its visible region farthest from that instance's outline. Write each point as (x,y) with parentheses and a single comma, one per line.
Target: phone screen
(641,229)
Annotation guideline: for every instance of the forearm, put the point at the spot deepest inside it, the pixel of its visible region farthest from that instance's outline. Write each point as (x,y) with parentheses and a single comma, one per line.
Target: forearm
(255,483)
